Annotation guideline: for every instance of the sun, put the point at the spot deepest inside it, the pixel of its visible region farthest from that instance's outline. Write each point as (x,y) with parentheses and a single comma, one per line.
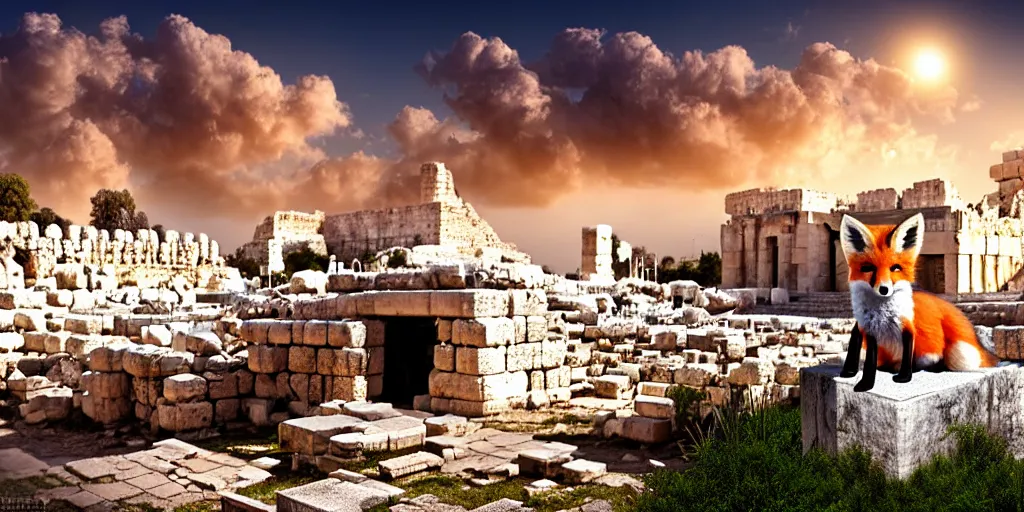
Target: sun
(929,65)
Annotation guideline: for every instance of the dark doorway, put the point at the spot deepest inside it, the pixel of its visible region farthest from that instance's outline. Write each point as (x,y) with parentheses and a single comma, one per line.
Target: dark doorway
(408,358)
(833,239)
(773,250)
(931,273)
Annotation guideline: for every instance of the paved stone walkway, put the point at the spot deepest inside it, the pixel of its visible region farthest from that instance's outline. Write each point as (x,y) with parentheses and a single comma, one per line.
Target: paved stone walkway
(170,474)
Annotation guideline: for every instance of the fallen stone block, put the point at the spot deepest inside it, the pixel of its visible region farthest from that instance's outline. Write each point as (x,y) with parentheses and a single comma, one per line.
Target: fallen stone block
(582,471)
(370,411)
(231,502)
(542,462)
(354,443)
(613,386)
(655,407)
(753,371)
(449,425)
(185,387)
(409,464)
(330,495)
(646,430)
(312,435)
(900,424)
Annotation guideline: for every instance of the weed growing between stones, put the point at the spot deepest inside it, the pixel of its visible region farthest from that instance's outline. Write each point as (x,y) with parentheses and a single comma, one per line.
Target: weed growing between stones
(455,491)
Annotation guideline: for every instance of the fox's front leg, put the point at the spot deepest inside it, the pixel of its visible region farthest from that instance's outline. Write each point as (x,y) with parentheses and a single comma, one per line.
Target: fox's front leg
(852,363)
(870,366)
(907,365)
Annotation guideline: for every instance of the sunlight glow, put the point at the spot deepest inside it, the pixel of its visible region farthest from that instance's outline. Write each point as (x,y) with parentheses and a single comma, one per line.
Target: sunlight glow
(929,65)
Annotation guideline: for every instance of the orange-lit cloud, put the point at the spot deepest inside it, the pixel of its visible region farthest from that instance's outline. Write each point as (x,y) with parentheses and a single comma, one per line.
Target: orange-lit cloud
(191,122)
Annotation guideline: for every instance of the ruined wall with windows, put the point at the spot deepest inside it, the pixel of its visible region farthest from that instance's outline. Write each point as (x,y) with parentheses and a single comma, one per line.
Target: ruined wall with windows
(789,239)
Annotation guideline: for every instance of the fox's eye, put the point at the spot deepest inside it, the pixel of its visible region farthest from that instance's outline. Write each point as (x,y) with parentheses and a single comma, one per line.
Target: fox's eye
(895,268)
(867,267)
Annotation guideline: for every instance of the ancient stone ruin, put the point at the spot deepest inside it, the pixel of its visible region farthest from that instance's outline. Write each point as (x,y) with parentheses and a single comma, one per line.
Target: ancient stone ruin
(418,364)
(788,238)
(442,218)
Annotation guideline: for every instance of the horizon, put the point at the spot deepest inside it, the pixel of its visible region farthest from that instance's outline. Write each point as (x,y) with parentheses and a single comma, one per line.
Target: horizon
(546,129)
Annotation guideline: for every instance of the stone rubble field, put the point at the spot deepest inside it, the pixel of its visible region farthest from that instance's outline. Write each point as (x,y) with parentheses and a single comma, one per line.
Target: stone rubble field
(95,348)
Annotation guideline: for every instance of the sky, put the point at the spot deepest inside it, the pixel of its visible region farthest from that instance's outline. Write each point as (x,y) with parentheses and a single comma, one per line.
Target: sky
(551,115)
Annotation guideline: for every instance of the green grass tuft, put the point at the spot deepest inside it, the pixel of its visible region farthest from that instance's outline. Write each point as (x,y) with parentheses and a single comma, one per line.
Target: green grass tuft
(756,463)
(454,491)
(567,419)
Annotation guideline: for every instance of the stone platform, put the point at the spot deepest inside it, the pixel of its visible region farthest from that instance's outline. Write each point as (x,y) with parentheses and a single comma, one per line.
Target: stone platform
(904,425)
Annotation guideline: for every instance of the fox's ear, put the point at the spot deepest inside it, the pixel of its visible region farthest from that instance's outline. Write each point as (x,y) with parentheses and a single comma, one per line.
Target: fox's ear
(854,236)
(908,236)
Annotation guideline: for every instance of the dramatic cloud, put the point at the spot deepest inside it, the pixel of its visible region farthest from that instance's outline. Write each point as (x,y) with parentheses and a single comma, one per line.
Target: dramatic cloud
(182,117)
(618,110)
(185,120)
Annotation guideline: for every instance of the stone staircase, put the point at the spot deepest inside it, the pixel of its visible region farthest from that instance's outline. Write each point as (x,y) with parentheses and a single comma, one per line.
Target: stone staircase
(814,304)
(837,305)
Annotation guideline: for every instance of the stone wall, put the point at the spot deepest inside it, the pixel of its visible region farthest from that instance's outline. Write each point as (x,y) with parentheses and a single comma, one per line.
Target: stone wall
(966,250)
(285,232)
(351,235)
(932,193)
(461,226)
(102,253)
(769,200)
(878,200)
(596,254)
(443,218)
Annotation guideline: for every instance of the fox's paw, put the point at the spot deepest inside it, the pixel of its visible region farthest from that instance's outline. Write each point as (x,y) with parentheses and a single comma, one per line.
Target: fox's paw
(901,378)
(847,373)
(863,386)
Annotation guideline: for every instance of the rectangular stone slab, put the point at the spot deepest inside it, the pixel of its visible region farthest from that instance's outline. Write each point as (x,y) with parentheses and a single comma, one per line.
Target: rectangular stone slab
(904,425)
(329,495)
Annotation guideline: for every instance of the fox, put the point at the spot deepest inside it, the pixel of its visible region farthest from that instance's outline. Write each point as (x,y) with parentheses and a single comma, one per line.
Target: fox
(901,327)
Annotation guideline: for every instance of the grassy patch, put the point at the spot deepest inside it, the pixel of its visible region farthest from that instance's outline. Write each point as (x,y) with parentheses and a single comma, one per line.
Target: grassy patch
(28,486)
(367,464)
(454,491)
(568,419)
(266,491)
(199,506)
(755,463)
(621,498)
(245,445)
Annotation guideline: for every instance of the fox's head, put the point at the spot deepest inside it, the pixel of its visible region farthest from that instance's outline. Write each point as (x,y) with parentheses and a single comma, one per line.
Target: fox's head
(882,257)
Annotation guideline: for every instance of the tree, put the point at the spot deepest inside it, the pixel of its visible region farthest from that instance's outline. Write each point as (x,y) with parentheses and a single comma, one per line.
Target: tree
(16,204)
(113,210)
(709,269)
(706,271)
(47,216)
(161,233)
(667,262)
(305,259)
(247,267)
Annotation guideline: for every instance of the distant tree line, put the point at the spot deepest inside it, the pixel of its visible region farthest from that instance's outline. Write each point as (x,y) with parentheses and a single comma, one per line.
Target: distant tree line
(706,270)
(111,209)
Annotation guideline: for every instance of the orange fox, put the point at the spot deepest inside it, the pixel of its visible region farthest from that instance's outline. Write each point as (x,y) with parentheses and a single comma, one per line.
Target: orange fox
(893,319)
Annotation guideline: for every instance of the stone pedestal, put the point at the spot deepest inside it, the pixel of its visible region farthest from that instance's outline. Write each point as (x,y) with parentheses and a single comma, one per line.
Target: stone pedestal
(904,425)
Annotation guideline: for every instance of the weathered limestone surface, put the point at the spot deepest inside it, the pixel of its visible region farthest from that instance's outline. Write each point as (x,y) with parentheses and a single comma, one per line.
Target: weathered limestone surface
(904,425)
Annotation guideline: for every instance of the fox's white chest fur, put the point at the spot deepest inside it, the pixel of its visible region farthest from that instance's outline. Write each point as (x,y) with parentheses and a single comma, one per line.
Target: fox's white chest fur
(883,317)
